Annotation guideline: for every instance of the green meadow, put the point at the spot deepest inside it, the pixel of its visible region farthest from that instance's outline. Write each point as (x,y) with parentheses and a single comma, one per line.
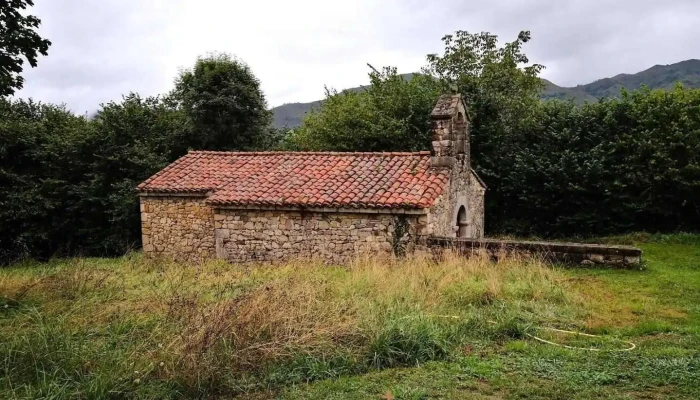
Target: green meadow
(135,328)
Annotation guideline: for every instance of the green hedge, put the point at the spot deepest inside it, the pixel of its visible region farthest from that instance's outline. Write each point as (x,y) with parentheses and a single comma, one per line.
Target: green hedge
(620,165)
(68,181)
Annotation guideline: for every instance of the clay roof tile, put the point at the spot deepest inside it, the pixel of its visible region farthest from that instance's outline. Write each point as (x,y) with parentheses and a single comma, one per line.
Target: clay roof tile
(370,180)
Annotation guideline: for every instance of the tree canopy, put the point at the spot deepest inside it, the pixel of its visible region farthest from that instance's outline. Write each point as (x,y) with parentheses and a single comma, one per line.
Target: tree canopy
(392,113)
(224,104)
(70,180)
(19,41)
(502,93)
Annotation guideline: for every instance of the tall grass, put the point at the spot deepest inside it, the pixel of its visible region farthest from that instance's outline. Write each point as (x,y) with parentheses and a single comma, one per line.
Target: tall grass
(137,327)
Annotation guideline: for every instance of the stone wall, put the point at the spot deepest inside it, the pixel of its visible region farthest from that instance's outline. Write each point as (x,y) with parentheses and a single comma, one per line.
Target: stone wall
(440,216)
(559,252)
(464,191)
(187,229)
(475,207)
(256,235)
(178,227)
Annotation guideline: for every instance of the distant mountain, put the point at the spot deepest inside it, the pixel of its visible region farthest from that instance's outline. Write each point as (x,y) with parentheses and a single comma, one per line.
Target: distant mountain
(290,114)
(657,77)
(552,91)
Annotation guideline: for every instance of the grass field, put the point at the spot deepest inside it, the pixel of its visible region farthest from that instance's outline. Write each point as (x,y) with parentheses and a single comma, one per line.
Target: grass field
(409,329)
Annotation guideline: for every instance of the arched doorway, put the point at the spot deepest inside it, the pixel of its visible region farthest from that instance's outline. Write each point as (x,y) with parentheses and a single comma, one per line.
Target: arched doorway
(462,223)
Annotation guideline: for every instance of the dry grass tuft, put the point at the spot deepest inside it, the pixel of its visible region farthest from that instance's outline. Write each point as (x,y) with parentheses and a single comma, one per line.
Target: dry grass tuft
(212,324)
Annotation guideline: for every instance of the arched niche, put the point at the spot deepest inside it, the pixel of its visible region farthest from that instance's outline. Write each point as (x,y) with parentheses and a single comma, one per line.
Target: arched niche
(462,224)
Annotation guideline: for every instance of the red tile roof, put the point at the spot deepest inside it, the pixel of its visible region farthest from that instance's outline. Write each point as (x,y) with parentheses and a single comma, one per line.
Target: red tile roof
(360,180)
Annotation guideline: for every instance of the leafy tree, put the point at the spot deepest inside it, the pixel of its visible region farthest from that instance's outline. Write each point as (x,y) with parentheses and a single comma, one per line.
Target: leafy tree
(276,138)
(501,91)
(68,182)
(40,166)
(391,114)
(18,41)
(224,103)
(482,71)
(132,140)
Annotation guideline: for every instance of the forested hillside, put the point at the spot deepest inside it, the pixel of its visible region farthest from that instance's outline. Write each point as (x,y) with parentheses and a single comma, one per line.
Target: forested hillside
(686,73)
(290,115)
(657,77)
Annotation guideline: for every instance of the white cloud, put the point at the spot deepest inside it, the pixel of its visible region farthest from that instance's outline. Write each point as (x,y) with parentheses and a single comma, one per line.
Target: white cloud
(103,49)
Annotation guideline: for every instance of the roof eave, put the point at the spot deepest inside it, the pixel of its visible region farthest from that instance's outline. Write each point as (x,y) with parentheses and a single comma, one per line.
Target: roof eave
(322,209)
(478,178)
(184,193)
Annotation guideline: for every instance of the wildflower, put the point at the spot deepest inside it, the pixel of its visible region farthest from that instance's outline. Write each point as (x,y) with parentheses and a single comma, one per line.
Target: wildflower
(162,363)
(137,381)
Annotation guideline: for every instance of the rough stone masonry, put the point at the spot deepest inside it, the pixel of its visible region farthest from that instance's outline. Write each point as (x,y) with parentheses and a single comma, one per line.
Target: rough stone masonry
(246,206)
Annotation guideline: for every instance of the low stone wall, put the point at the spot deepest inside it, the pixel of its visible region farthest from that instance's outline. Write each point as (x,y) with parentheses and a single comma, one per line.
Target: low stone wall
(256,235)
(569,253)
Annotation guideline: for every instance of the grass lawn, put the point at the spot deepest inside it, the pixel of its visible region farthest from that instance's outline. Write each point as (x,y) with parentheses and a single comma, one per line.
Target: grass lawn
(408,329)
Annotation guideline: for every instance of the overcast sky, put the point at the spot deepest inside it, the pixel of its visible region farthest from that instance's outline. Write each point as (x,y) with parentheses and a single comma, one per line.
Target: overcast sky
(103,49)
